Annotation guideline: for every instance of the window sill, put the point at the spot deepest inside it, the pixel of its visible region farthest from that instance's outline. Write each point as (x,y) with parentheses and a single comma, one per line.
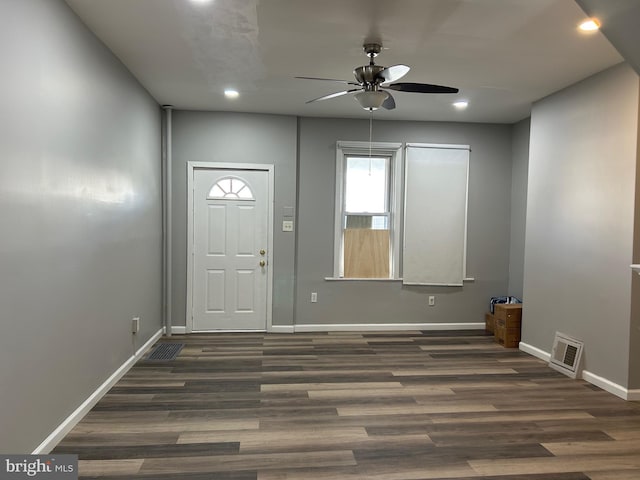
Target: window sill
(342,279)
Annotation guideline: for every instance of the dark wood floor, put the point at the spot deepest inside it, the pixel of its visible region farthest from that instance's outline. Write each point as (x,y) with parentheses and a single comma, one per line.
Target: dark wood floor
(384,406)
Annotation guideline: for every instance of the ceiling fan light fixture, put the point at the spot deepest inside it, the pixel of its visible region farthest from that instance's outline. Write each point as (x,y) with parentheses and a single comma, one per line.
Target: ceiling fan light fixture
(371,100)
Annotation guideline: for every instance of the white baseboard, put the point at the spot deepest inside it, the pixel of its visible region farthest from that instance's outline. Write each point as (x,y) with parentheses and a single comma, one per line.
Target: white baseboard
(281,329)
(608,385)
(377,327)
(592,378)
(72,420)
(176,330)
(536,352)
(356,327)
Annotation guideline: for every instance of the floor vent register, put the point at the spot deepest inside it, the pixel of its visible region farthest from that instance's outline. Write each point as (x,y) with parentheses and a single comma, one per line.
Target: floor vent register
(165,351)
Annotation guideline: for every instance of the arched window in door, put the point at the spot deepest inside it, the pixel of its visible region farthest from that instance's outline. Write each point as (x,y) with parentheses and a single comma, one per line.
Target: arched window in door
(230,188)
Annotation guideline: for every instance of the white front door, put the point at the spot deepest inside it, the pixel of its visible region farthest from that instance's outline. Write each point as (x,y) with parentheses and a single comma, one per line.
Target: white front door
(230,250)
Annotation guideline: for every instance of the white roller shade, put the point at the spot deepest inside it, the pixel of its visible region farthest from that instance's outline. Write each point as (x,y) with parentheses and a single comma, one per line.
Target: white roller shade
(435,219)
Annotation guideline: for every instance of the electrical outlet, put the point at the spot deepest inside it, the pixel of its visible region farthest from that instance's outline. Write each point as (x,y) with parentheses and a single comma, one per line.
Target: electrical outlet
(314,297)
(432,300)
(135,324)
(287,225)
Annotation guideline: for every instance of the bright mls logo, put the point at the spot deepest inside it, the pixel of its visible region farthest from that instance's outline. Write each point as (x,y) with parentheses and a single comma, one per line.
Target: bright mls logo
(52,467)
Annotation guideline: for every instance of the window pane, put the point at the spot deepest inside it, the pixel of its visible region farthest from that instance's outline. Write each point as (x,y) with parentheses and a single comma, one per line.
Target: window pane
(380,222)
(366,184)
(216,192)
(225,184)
(370,222)
(244,192)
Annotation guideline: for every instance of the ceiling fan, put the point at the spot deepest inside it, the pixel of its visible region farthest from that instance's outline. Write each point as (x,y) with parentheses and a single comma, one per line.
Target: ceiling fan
(373,82)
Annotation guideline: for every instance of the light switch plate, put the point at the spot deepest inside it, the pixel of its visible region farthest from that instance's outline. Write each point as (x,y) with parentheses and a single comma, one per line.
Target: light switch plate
(135,324)
(287,225)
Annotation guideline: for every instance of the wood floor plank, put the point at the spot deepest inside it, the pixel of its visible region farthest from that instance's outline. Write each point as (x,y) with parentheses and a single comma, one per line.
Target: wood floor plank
(514,437)
(111,452)
(128,467)
(453,371)
(164,426)
(615,475)
(242,475)
(621,447)
(247,462)
(329,386)
(513,417)
(551,465)
(253,438)
(632,433)
(107,440)
(363,393)
(413,409)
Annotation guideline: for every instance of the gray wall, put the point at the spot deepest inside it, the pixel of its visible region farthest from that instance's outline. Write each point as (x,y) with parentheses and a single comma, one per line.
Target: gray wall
(390,302)
(634,326)
(80,201)
(519,178)
(580,219)
(236,138)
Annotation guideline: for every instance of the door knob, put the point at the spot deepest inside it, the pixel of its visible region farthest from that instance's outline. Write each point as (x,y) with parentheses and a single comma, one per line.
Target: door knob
(262,251)
(262,263)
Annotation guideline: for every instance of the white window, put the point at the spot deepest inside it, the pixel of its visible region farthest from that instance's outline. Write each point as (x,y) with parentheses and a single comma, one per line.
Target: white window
(367,225)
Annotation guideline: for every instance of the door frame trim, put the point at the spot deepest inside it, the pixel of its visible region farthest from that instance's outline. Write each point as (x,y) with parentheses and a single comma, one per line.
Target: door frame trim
(191,168)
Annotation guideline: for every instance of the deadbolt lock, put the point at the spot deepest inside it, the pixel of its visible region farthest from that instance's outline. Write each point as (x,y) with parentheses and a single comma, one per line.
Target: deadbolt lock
(262,251)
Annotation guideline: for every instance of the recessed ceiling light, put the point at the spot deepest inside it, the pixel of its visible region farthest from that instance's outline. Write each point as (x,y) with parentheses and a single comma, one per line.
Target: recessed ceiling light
(590,25)
(461,104)
(231,93)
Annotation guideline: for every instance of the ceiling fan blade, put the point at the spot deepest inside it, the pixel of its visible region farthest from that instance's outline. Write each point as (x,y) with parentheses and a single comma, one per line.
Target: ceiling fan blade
(389,103)
(328,80)
(333,95)
(393,73)
(421,88)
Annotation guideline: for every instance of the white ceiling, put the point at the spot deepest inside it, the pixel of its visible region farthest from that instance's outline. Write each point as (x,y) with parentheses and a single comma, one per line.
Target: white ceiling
(502,54)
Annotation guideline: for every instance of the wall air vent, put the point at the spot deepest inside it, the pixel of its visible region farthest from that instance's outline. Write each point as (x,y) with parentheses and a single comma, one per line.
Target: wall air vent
(566,354)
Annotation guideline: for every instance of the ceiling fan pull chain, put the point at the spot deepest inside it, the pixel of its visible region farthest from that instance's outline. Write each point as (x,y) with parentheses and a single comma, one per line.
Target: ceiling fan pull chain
(370,136)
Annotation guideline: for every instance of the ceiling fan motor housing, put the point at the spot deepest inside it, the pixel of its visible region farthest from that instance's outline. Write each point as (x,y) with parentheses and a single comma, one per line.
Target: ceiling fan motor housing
(369,74)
